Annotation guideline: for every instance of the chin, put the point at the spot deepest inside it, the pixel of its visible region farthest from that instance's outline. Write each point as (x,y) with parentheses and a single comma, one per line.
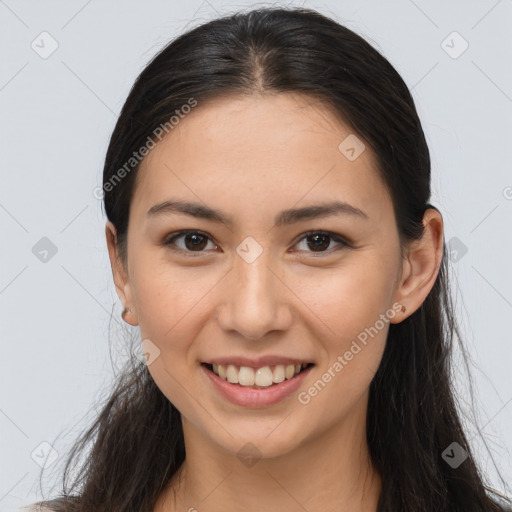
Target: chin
(258,439)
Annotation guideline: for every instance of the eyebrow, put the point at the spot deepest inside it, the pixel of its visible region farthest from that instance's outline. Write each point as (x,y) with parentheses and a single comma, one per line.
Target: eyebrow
(286,217)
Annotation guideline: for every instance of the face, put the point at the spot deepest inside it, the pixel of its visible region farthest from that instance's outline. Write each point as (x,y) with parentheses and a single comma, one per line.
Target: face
(256,280)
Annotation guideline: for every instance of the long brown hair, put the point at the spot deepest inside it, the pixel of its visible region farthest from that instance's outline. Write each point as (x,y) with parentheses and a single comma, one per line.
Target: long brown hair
(135,445)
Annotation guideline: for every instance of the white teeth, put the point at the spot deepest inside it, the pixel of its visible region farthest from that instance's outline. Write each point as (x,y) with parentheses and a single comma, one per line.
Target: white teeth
(262,377)
(232,374)
(246,376)
(278,374)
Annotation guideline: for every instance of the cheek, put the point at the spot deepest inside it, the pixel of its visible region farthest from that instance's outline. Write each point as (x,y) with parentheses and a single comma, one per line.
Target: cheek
(169,308)
(351,326)
(348,311)
(168,298)
(348,299)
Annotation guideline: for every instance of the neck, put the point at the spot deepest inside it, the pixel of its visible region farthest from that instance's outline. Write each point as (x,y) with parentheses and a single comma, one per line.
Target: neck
(330,472)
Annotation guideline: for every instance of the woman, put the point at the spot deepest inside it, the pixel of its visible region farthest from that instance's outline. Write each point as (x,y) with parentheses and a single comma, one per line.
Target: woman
(267,190)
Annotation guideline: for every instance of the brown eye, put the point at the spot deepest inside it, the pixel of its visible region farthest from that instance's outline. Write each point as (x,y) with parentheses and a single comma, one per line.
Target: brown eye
(320,242)
(191,241)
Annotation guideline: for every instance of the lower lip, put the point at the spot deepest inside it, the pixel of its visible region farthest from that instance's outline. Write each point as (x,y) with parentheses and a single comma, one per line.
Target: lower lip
(252,397)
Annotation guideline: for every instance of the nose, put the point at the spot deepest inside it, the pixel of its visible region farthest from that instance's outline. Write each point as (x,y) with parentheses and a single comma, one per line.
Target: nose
(255,300)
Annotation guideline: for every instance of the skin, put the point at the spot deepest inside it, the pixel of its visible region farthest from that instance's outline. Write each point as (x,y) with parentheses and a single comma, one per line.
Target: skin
(252,157)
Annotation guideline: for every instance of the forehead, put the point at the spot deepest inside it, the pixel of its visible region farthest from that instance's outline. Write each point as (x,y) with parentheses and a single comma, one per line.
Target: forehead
(257,151)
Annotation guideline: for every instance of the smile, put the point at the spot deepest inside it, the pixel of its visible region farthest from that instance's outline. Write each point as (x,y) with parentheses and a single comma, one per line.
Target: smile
(263,377)
(254,395)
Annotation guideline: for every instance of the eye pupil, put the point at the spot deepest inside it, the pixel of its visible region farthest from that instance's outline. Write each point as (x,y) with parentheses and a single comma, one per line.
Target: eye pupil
(319,241)
(197,239)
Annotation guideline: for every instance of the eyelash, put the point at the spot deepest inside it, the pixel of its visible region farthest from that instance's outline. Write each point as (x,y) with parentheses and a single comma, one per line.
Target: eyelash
(333,236)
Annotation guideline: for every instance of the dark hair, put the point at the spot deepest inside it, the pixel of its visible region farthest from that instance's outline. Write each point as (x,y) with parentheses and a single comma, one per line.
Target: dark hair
(137,439)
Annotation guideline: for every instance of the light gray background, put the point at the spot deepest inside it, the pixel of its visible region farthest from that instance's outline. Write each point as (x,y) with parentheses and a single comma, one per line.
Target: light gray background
(57,115)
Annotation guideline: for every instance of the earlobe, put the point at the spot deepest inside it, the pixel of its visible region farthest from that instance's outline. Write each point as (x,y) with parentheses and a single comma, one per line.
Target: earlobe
(421,264)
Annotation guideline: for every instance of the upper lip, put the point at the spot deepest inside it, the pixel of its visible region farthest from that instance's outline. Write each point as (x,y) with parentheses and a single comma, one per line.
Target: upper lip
(258,362)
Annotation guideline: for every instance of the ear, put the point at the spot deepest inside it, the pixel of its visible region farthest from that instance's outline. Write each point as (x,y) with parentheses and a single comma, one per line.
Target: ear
(420,265)
(120,274)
